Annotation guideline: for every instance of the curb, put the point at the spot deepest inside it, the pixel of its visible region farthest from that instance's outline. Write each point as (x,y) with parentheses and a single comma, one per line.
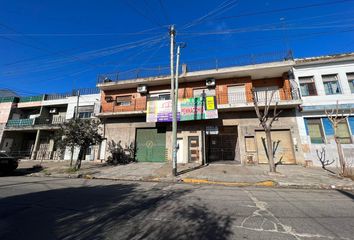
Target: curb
(268,183)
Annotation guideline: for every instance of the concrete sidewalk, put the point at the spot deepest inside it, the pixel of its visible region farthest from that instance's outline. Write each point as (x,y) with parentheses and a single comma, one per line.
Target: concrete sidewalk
(226,174)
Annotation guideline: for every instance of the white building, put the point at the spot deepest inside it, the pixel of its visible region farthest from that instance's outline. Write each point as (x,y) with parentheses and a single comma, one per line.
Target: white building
(322,82)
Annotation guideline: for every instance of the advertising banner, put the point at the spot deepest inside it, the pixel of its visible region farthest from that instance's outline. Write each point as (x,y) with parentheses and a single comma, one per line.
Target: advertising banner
(188,109)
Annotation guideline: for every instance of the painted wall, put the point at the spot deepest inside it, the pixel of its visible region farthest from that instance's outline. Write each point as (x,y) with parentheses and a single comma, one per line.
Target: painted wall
(317,70)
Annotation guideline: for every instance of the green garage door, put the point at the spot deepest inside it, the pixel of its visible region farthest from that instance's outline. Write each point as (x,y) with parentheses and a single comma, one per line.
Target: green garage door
(150,145)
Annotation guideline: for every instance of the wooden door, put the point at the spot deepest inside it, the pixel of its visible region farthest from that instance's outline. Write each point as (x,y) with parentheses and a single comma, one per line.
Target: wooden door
(284,151)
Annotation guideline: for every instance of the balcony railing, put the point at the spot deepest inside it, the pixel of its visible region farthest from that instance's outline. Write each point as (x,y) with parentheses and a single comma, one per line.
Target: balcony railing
(49,120)
(135,105)
(35,121)
(31,99)
(20,122)
(241,98)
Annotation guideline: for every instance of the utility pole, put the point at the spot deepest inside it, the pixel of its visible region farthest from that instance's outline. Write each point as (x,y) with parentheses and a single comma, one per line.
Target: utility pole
(76,117)
(173,98)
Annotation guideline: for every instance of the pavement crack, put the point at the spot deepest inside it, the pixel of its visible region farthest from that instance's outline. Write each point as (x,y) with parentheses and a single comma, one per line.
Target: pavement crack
(258,221)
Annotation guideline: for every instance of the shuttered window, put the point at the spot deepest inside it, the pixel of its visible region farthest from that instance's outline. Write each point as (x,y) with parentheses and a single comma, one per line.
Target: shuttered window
(124,100)
(343,133)
(331,84)
(307,86)
(314,130)
(350,77)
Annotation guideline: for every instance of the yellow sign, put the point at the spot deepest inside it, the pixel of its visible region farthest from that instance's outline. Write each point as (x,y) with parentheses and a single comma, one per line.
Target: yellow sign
(210,103)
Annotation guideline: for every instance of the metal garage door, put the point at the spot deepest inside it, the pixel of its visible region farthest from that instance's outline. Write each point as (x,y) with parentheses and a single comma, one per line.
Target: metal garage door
(285,148)
(150,145)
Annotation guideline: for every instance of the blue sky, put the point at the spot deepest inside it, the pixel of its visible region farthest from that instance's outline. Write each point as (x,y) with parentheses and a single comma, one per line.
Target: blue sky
(54,46)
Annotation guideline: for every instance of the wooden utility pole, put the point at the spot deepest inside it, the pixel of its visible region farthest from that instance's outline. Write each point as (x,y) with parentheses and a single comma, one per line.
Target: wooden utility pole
(173,98)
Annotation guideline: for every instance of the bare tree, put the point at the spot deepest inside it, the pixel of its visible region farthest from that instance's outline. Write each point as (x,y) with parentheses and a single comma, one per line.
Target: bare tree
(266,119)
(322,158)
(335,117)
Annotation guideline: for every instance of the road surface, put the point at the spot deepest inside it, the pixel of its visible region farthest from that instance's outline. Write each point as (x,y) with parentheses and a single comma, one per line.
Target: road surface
(53,208)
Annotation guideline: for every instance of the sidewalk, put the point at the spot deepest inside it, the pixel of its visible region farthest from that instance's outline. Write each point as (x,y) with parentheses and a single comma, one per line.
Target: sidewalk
(226,174)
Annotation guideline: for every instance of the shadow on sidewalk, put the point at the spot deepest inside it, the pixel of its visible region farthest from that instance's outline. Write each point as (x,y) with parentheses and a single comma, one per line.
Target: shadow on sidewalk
(191,169)
(346,193)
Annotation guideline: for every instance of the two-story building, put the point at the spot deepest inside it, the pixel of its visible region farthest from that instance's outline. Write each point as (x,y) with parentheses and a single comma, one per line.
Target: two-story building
(217,120)
(32,122)
(323,81)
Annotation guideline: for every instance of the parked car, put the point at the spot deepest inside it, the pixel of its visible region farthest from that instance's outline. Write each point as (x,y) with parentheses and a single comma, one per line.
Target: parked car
(8,164)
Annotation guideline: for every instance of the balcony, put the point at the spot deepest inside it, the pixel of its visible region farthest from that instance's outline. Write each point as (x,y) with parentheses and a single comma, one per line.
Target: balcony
(33,122)
(20,122)
(243,100)
(136,106)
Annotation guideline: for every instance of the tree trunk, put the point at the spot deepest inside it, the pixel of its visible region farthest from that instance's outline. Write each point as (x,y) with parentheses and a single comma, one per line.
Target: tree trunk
(81,156)
(270,150)
(72,155)
(340,156)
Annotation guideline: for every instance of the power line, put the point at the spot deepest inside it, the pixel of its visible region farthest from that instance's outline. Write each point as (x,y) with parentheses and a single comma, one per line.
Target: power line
(152,20)
(167,18)
(281,10)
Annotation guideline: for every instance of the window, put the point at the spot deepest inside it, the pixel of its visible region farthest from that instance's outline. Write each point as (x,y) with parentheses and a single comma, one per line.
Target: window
(331,84)
(350,77)
(250,144)
(236,94)
(198,92)
(159,96)
(307,86)
(343,133)
(124,100)
(85,114)
(315,130)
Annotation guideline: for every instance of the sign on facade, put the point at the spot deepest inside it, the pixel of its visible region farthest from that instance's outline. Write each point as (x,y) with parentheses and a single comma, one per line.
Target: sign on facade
(188,109)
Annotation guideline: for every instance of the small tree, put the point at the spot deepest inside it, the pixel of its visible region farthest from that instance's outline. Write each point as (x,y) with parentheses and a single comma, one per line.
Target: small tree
(335,117)
(266,120)
(81,133)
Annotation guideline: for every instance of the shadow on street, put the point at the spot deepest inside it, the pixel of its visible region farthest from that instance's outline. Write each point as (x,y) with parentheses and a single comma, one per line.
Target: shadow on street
(115,212)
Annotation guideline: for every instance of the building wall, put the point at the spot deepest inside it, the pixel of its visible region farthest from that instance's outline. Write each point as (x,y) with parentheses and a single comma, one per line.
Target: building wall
(186,91)
(123,130)
(322,100)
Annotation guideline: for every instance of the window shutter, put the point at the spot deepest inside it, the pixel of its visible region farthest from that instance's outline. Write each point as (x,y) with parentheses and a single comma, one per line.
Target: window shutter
(308,79)
(327,126)
(329,78)
(351,124)
(306,126)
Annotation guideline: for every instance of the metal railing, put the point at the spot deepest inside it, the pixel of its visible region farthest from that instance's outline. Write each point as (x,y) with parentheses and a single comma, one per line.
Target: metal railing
(49,121)
(74,92)
(20,122)
(135,105)
(210,64)
(31,99)
(280,95)
(8,99)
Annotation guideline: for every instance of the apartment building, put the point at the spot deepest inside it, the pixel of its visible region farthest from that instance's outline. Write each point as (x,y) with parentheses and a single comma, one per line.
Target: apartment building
(217,121)
(31,123)
(323,81)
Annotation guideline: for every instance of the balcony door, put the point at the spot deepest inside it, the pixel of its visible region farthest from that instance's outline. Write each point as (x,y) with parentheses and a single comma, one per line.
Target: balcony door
(236,94)
(262,92)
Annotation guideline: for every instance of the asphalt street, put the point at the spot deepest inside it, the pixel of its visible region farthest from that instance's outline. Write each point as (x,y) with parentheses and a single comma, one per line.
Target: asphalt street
(54,208)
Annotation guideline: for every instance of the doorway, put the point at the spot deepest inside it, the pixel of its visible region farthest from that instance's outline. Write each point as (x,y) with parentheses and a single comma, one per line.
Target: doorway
(180,158)
(193,149)
(222,146)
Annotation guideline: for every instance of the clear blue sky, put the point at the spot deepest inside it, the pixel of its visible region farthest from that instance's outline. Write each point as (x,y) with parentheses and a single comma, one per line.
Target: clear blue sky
(53,46)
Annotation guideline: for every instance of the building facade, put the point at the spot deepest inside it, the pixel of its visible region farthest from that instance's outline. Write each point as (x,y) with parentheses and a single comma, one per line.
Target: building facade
(324,81)
(137,112)
(30,123)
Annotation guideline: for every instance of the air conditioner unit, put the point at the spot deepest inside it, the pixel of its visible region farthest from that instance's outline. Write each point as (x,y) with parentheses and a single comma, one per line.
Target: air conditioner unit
(108,99)
(210,82)
(53,110)
(142,89)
